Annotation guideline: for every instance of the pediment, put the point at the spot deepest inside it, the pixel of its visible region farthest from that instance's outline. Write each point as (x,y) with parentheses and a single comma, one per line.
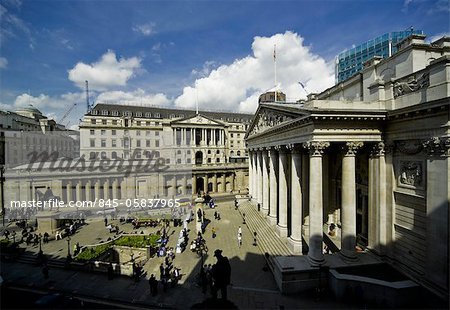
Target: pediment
(197,120)
(266,118)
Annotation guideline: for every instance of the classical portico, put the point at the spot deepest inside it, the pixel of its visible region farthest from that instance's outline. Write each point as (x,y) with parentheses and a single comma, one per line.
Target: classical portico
(309,181)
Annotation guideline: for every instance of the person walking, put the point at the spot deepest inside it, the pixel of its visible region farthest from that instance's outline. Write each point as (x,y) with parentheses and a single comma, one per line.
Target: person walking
(221,274)
(213,231)
(239,237)
(240,230)
(153,285)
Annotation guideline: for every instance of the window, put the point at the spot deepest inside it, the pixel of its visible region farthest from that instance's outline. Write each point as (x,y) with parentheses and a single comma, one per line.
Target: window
(217,152)
(188,152)
(188,161)
(147,123)
(209,160)
(139,114)
(178,152)
(104,121)
(168,161)
(115,113)
(157,154)
(157,143)
(138,143)
(92,155)
(147,133)
(92,142)
(113,143)
(138,123)
(103,132)
(231,135)
(147,143)
(157,115)
(94,112)
(138,132)
(178,161)
(114,122)
(103,143)
(114,155)
(157,123)
(113,132)
(156,133)
(218,160)
(93,121)
(104,112)
(209,151)
(148,115)
(103,155)
(92,131)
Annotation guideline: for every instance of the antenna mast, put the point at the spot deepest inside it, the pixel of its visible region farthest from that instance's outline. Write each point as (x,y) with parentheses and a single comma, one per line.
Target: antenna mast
(88,106)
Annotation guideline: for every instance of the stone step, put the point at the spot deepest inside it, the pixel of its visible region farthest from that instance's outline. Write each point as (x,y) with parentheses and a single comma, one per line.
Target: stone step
(267,238)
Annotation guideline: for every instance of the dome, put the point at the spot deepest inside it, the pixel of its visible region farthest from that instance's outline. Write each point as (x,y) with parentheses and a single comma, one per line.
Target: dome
(29,111)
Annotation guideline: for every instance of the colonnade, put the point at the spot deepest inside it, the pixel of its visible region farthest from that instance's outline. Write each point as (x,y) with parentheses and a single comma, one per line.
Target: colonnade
(208,136)
(285,180)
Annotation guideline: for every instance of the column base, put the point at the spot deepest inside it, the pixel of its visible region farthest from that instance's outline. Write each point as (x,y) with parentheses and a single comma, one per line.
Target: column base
(348,256)
(272,220)
(295,245)
(316,261)
(282,231)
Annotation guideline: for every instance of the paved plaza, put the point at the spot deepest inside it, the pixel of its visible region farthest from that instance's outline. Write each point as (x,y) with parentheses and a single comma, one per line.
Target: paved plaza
(251,286)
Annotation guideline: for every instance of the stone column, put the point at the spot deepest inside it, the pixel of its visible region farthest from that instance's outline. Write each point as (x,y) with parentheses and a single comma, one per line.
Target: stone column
(184,185)
(106,190)
(348,204)
(97,189)
(194,185)
(315,254)
(78,191)
(273,186)
(223,181)
(232,176)
(295,239)
(88,191)
(115,189)
(205,183)
(377,199)
(250,172)
(259,177)
(255,177)
(214,182)
(282,193)
(69,192)
(265,181)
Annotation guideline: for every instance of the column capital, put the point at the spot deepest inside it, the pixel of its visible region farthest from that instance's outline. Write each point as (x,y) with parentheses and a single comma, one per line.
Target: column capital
(281,148)
(378,149)
(437,146)
(294,148)
(350,148)
(316,148)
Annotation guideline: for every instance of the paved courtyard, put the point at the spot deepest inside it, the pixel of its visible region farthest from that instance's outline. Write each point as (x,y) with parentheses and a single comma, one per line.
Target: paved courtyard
(251,287)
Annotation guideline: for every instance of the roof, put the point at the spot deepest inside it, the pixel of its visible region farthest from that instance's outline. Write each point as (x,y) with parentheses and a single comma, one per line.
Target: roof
(169,112)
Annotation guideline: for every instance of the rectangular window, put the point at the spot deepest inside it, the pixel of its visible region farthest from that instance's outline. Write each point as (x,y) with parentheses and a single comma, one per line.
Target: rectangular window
(156,133)
(138,132)
(103,132)
(157,143)
(92,131)
(147,133)
(114,122)
(147,123)
(104,121)
(113,132)
(113,143)
(103,143)
(138,123)
(93,121)
(92,142)
(147,143)
(138,143)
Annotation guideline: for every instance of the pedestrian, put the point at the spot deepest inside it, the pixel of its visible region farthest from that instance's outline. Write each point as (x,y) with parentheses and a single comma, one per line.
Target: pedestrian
(240,230)
(215,215)
(46,236)
(239,237)
(110,272)
(161,271)
(236,204)
(218,215)
(213,231)
(106,221)
(6,234)
(153,285)
(221,273)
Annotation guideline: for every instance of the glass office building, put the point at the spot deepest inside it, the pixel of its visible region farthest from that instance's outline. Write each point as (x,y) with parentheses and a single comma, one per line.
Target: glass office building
(350,62)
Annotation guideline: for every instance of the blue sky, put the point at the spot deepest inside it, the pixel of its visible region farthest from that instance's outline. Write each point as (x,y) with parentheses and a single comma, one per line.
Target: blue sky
(174,53)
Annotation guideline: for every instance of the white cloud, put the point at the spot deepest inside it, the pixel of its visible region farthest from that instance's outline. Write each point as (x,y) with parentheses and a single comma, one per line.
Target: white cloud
(145,29)
(138,96)
(3,62)
(237,86)
(107,72)
(48,103)
(438,36)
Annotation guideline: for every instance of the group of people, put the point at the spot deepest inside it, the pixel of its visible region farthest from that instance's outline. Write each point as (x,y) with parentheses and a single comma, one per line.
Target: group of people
(216,277)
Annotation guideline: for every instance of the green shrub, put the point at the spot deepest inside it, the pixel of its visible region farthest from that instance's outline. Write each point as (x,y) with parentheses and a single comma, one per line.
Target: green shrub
(93,253)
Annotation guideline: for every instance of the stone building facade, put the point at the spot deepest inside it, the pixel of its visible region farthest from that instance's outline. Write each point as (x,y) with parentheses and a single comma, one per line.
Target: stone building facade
(369,155)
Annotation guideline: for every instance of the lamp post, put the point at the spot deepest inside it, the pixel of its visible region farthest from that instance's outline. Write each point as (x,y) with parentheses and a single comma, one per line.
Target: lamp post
(68,248)
(40,245)
(2,180)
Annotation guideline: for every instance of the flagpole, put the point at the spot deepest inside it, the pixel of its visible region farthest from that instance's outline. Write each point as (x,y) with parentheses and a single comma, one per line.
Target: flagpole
(275,68)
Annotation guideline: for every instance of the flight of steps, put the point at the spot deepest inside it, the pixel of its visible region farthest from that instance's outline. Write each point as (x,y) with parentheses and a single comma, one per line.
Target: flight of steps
(28,258)
(267,238)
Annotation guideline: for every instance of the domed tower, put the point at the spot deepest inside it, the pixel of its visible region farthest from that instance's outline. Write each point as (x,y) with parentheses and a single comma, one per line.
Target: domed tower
(30,111)
(269,97)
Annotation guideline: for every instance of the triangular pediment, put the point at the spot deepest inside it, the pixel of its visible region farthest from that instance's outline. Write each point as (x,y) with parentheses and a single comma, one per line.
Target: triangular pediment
(197,120)
(267,117)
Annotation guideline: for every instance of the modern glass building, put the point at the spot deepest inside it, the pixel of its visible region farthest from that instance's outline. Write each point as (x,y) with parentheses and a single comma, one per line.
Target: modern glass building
(350,62)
